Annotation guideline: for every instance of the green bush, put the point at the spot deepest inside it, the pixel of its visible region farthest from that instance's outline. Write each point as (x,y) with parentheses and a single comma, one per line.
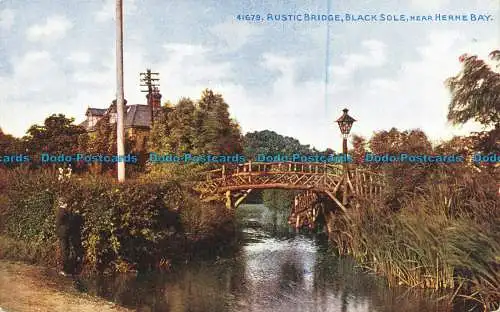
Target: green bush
(126,225)
(29,207)
(30,252)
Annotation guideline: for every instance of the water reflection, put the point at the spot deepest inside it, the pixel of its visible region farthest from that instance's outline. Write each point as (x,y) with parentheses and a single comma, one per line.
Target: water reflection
(270,273)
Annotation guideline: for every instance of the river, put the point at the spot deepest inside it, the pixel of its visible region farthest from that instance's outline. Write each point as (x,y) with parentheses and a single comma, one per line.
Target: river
(274,270)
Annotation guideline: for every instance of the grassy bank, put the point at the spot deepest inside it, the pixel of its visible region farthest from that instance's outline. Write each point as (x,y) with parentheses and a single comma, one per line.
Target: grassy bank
(137,225)
(26,288)
(445,234)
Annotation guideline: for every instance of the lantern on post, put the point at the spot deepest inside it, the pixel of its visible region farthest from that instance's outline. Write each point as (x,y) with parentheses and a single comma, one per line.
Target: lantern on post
(345,124)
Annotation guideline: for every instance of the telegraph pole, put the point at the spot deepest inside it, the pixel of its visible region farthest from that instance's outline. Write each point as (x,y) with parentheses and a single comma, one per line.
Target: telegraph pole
(120,132)
(150,80)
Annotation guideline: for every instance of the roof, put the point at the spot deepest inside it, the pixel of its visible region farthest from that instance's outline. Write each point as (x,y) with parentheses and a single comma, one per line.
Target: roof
(85,124)
(136,115)
(95,111)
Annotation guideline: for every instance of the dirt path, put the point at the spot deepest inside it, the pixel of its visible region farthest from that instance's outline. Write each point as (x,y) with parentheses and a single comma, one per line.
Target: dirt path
(31,288)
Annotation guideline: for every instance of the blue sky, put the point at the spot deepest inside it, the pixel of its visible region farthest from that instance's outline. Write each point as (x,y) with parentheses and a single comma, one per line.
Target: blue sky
(59,56)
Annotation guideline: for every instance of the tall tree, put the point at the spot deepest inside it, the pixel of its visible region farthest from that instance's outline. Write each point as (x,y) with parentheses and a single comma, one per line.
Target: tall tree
(201,128)
(216,132)
(176,130)
(103,141)
(58,135)
(198,128)
(9,144)
(270,142)
(476,96)
(404,178)
(395,141)
(358,151)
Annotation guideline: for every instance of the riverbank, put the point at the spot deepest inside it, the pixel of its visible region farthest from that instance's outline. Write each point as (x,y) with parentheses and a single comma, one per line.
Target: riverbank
(441,235)
(139,225)
(33,288)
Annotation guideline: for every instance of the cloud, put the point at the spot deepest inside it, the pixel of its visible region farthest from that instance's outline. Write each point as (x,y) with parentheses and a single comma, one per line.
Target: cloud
(183,50)
(37,88)
(90,77)
(40,85)
(192,65)
(37,78)
(55,28)
(184,72)
(79,57)
(285,66)
(234,34)
(375,85)
(293,107)
(415,96)
(412,96)
(440,42)
(374,55)
(6,19)
(108,10)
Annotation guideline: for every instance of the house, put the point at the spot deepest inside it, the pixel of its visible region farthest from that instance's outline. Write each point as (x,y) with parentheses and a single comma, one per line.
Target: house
(137,117)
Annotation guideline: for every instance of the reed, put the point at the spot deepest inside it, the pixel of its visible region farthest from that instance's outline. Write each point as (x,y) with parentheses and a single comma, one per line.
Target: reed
(445,235)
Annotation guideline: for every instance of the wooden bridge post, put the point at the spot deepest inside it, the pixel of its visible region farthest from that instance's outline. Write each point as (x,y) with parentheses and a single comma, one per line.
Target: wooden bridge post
(241,198)
(250,171)
(229,201)
(324,173)
(345,177)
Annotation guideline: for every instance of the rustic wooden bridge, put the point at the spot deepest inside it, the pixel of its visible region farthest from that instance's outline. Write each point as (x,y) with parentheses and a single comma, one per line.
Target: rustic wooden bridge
(338,181)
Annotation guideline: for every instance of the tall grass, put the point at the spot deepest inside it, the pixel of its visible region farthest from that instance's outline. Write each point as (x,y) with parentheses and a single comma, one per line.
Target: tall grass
(446,235)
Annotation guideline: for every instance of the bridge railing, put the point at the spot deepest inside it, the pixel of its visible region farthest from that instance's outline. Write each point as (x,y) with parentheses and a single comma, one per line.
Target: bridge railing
(360,181)
(355,173)
(250,168)
(366,183)
(211,174)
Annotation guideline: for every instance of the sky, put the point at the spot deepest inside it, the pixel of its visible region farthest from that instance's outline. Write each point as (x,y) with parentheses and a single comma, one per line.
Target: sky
(292,77)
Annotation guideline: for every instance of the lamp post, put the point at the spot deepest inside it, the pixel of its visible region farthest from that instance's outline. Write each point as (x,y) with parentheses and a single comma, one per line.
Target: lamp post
(345,124)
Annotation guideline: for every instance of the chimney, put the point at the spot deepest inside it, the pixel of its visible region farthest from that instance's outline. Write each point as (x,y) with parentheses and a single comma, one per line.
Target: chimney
(154,98)
(113,104)
(154,102)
